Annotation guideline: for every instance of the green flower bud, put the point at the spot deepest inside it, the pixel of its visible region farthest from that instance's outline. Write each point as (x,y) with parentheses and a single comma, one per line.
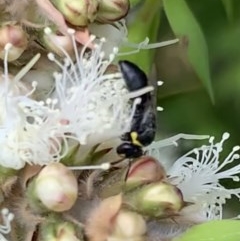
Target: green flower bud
(57,230)
(145,170)
(77,12)
(156,200)
(112,10)
(56,187)
(14,35)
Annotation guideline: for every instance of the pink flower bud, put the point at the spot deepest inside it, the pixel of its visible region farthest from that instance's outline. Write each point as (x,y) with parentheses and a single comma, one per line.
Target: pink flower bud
(128,226)
(14,35)
(56,187)
(145,170)
(100,221)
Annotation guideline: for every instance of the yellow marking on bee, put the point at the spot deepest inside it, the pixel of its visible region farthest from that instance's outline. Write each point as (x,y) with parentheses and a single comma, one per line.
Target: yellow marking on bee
(134,136)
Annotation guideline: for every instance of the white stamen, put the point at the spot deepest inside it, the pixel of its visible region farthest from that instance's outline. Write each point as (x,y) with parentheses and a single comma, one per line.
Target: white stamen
(136,93)
(5,228)
(47,30)
(71,31)
(104,166)
(51,56)
(145,45)
(27,67)
(159,108)
(197,175)
(85,85)
(157,145)
(30,131)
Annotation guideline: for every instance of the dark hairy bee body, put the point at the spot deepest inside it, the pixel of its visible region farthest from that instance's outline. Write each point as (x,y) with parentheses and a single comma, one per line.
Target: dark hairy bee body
(143,126)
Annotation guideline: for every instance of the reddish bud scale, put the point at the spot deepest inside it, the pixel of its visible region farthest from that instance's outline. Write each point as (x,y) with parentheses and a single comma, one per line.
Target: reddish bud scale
(145,170)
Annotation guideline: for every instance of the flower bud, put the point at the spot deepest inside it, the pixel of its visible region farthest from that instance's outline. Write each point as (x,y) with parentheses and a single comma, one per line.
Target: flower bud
(100,220)
(76,12)
(66,232)
(55,42)
(14,35)
(156,200)
(128,225)
(145,170)
(56,187)
(112,10)
(59,231)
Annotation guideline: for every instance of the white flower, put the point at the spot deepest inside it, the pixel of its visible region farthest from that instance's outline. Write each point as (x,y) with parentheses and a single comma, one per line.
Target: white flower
(5,228)
(198,174)
(95,104)
(30,132)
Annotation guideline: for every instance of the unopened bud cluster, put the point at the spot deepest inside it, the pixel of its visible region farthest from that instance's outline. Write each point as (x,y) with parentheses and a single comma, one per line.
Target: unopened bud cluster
(144,194)
(60,15)
(153,196)
(81,13)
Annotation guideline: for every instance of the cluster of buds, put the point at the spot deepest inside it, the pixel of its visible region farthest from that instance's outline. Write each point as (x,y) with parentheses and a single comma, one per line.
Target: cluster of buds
(145,194)
(52,191)
(153,195)
(109,221)
(60,15)
(81,13)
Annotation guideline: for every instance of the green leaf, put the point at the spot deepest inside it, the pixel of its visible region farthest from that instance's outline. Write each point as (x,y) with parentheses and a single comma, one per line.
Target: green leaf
(133,3)
(99,154)
(145,24)
(229,9)
(185,26)
(68,159)
(220,230)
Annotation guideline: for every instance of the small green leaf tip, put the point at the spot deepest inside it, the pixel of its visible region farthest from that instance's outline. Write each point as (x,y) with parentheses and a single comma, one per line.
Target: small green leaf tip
(218,230)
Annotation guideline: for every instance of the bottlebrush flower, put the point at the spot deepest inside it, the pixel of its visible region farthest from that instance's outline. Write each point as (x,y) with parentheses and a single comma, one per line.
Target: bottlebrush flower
(30,131)
(95,104)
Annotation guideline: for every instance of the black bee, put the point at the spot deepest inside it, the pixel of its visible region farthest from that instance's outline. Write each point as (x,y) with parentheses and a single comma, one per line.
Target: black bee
(143,126)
